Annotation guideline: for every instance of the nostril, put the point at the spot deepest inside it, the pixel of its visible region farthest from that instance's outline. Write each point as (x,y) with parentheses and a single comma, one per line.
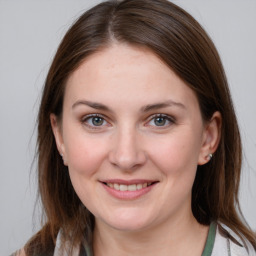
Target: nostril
(126,152)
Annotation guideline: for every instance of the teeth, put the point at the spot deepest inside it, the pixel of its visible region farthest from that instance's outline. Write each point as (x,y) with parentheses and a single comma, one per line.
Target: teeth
(133,187)
(123,188)
(139,186)
(116,186)
(110,185)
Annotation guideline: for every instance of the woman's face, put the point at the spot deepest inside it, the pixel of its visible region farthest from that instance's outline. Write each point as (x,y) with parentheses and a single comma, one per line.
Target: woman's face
(132,136)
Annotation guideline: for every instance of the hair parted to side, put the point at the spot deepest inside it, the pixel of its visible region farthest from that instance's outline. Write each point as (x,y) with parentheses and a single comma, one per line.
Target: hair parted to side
(174,36)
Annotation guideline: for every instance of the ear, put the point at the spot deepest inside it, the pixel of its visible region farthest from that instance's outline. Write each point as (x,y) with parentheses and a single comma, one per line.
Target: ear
(211,138)
(56,128)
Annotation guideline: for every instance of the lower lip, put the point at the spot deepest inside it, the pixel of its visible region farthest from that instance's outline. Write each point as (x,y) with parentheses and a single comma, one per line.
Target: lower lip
(128,195)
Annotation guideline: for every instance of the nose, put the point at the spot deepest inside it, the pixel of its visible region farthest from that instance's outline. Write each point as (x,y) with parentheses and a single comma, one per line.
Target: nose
(127,150)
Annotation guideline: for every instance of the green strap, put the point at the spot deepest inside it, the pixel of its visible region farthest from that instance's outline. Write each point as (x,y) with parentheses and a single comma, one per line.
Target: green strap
(88,251)
(210,240)
(207,249)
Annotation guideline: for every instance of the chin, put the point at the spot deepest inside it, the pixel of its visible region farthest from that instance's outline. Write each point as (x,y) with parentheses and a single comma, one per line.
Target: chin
(128,226)
(128,222)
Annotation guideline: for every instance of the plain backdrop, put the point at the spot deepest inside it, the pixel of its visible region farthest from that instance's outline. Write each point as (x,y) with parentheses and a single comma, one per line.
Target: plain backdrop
(30,32)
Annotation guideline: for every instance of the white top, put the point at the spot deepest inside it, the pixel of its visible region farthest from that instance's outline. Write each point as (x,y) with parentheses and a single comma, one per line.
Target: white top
(224,246)
(228,244)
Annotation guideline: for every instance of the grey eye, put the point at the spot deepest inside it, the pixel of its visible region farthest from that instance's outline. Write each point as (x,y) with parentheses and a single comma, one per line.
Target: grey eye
(160,121)
(97,121)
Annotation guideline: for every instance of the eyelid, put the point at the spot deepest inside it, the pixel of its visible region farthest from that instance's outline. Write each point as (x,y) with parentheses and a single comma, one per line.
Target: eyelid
(169,118)
(85,118)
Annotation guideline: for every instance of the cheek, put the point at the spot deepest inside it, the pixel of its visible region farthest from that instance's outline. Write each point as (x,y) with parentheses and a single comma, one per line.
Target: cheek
(177,154)
(85,154)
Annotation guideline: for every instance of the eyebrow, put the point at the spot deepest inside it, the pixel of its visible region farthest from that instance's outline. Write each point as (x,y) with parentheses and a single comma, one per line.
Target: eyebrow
(146,108)
(91,104)
(165,104)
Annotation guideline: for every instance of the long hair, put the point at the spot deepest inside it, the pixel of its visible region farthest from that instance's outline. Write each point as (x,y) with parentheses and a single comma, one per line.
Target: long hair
(178,39)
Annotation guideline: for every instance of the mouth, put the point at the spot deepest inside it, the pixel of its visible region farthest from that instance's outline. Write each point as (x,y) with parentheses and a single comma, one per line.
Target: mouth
(130,187)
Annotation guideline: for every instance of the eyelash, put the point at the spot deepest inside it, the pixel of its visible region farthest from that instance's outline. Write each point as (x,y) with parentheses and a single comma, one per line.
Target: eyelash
(88,117)
(168,118)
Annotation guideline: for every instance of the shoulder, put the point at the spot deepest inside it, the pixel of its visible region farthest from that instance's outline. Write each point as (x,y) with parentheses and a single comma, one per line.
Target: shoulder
(65,247)
(228,243)
(19,253)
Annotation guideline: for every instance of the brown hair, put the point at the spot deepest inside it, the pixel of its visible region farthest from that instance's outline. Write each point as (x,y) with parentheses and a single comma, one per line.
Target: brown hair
(175,37)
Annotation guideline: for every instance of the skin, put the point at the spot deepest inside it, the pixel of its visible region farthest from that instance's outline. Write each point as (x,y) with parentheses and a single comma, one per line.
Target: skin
(128,142)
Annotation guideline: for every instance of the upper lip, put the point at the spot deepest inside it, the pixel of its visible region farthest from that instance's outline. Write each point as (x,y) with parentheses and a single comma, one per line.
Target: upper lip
(128,182)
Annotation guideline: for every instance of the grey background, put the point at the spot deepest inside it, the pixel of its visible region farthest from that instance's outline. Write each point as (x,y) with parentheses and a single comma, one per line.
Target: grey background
(29,34)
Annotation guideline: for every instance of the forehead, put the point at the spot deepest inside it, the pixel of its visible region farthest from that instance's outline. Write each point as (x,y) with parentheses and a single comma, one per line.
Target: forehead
(126,72)
(117,60)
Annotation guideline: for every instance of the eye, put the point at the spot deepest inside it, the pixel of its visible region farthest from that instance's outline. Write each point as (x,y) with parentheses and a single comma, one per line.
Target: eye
(94,121)
(97,121)
(160,120)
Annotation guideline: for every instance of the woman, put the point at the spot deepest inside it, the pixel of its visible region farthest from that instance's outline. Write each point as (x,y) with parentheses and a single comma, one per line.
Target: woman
(138,143)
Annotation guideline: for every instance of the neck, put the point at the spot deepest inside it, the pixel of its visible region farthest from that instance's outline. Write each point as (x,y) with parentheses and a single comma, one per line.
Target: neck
(184,236)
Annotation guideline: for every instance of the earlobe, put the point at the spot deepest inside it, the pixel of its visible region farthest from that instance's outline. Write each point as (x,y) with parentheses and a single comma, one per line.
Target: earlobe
(211,138)
(56,128)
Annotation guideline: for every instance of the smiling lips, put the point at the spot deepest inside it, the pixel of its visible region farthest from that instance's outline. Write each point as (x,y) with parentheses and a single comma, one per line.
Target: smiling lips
(123,187)
(128,189)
